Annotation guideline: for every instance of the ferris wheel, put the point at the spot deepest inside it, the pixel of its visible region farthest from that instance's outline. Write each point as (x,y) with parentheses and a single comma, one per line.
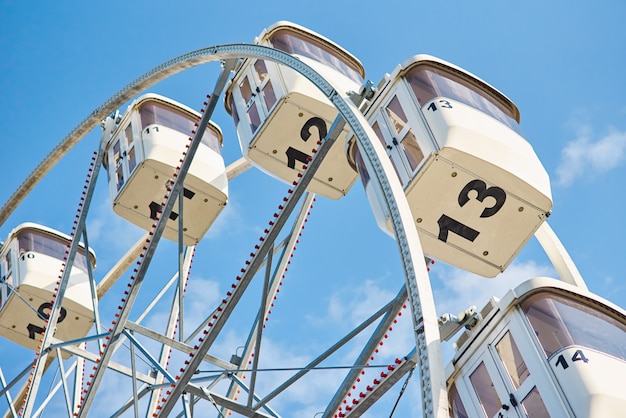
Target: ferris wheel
(445,170)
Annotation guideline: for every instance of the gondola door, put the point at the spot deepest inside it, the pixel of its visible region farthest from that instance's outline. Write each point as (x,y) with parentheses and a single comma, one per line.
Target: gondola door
(123,159)
(491,396)
(508,379)
(407,143)
(6,276)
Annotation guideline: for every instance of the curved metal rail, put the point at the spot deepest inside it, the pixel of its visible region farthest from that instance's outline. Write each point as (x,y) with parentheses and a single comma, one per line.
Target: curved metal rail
(426,333)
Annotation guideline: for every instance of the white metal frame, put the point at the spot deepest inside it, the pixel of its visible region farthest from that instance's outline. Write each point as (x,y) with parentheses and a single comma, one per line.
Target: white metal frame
(428,355)
(419,292)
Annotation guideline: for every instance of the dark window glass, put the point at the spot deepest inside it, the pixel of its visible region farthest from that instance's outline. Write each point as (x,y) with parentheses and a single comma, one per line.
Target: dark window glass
(50,245)
(117,155)
(486,392)
(154,112)
(379,134)
(128,132)
(246,90)
(119,176)
(269,95)
(297,43)
(261,70)
(396,114)
(235,115)
(428,82)
(360,165)
(457,410)
(412,150)
(512,360)
(534,406)
(132,160)
(560,322)
(8,261)
(254,118)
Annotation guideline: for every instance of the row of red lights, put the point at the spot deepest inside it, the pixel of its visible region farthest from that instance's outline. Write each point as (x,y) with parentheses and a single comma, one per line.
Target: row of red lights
(58,283)
(163,399)
(169,349)
(238,278)
(275,297)
(141,257)
(349,405)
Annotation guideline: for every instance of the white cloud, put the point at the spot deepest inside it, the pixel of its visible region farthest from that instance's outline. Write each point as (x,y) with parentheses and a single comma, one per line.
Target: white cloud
(311,394)
(229,221)
(109,234)
(355,306)
(585,156)
(307,396)
(199,303)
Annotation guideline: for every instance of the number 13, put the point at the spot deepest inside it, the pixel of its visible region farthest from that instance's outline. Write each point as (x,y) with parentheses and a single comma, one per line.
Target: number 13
(446,223)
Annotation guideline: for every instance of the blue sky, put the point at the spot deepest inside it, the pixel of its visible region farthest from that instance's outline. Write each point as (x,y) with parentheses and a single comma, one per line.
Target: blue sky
(561,62)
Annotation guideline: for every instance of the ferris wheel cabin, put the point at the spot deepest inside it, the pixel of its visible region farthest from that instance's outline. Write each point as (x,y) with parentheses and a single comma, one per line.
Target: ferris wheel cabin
(476,188)
(280,115)
(546,349)
(31,260)
(146,145)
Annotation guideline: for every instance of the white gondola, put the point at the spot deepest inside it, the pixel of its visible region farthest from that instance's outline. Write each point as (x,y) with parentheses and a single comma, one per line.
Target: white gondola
(30,263)
(280,115)
(146,145)
(546,349)
(476,188)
